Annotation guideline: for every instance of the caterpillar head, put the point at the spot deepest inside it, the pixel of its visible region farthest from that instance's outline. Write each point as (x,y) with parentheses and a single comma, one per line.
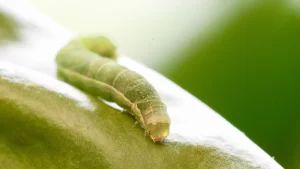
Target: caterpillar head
(158,131)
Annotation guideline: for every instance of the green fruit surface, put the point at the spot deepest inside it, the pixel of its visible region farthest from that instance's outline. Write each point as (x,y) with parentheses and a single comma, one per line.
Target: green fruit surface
(41,128)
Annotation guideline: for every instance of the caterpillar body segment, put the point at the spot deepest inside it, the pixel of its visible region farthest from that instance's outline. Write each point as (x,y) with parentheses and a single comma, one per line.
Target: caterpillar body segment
(89,64)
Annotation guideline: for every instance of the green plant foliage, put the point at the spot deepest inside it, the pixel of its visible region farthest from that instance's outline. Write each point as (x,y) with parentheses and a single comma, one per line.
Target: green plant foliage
(248,71)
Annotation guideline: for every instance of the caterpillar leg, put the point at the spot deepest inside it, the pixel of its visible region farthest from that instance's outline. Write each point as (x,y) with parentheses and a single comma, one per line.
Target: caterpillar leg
(135,124)
(128,112)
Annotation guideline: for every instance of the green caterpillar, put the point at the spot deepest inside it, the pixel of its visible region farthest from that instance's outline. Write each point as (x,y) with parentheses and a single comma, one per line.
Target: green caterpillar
(89,63)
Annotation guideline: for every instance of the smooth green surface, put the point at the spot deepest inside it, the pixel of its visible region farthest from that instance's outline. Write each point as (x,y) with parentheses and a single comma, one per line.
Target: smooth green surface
(43,129)
(31,139)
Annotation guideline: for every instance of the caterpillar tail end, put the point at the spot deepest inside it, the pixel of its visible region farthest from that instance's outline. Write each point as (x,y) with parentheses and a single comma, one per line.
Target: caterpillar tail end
(100,45)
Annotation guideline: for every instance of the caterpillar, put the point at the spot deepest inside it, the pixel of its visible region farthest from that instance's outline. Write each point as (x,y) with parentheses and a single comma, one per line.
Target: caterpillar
(89,63)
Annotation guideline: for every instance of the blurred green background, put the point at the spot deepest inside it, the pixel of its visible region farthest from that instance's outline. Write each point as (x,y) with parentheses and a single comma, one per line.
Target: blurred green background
(239,57)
